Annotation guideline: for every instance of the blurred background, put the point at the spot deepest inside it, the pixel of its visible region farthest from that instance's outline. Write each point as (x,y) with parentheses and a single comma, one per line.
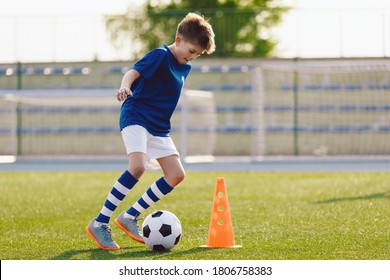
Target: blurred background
(289,78)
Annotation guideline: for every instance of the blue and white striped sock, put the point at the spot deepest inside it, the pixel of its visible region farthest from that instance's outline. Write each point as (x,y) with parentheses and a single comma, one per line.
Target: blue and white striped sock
(155,192)
(119,191)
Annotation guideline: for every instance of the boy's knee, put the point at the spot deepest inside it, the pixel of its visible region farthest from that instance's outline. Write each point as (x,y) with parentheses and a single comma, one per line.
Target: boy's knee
(137,171)
(176,178)
(180,176)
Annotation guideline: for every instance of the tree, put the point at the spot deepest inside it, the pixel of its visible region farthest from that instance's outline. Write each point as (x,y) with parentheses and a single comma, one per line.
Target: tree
(242,28)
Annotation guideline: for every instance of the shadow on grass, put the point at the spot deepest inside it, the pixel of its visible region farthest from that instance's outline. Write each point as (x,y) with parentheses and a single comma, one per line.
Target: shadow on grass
(98,254)
(380,195)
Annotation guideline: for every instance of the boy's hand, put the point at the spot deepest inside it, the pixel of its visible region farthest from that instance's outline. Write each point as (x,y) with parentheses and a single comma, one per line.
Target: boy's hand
(122,93)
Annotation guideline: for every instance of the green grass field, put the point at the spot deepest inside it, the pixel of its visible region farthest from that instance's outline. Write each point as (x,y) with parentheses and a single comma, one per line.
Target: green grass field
(276,216)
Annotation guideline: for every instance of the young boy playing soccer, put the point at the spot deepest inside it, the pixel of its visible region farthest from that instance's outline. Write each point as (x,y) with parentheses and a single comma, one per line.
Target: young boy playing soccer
(150,91)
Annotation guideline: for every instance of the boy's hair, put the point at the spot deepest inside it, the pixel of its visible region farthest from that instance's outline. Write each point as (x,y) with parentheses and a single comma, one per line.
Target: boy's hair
(195,29)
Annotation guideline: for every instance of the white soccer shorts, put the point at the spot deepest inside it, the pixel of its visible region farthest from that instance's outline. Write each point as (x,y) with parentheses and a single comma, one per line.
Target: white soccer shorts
(137,139)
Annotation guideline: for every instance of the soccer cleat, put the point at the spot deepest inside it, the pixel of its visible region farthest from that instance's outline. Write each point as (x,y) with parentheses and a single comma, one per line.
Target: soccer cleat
(102,236)
(130,226)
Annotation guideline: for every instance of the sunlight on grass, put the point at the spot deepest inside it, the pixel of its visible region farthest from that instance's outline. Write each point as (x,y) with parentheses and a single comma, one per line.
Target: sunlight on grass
(275,215)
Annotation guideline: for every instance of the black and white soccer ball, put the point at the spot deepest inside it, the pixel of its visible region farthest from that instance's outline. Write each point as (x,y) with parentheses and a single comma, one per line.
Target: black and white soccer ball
(161,230)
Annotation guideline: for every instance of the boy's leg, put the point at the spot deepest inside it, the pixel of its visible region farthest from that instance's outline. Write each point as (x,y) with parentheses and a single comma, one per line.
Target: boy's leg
(173,175)
(98,229)
(173,169)
(119,191)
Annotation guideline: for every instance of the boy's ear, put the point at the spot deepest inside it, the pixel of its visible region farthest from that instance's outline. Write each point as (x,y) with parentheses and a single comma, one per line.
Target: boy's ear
(178,40)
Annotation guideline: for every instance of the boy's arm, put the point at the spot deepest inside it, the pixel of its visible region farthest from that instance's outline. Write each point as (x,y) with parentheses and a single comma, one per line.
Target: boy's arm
(127,80)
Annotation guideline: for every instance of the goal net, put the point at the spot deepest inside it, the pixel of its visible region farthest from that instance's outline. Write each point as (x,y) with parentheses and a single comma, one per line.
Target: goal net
(85,123)
(339,107)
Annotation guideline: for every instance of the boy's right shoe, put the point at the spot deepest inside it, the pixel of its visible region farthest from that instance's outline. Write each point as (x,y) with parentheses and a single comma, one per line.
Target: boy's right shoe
(101,234)
(130,227)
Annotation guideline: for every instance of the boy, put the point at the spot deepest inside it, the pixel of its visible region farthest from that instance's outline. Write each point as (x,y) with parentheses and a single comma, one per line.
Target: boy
(150,92)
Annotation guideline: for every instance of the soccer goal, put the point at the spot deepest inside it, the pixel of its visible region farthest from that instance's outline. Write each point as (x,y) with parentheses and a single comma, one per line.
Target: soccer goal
(326,107)
(85,124)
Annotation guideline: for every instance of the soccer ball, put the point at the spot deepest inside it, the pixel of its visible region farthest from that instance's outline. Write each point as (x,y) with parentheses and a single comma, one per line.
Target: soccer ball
(161,230)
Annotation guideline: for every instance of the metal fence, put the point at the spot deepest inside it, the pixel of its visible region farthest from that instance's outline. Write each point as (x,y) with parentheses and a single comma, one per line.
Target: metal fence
(244,108)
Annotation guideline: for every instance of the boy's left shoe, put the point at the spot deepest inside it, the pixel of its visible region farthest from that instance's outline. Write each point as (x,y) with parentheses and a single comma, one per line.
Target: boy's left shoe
(130,227)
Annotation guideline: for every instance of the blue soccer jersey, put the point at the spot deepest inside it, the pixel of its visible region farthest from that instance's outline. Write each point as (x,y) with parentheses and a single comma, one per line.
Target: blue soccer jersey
(155,93)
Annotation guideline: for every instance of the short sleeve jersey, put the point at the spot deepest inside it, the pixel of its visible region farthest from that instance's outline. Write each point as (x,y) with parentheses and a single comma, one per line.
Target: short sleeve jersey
(155,93)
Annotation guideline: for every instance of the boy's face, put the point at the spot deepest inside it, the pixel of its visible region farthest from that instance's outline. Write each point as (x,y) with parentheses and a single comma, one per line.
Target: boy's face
(186,51)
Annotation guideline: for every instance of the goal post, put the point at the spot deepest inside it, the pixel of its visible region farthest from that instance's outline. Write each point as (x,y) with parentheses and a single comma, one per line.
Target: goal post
(258,144)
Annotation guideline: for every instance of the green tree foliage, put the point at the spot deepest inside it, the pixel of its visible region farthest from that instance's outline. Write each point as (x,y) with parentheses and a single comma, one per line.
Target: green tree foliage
(242,28)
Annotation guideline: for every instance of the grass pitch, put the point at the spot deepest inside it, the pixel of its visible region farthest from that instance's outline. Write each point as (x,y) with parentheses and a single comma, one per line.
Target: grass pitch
(275,216)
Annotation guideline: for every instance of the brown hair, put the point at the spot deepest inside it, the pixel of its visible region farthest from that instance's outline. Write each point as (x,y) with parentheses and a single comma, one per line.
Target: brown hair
(195,29)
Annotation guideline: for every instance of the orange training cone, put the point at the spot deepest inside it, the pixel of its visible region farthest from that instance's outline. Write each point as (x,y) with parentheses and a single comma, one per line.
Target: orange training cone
(220,231)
